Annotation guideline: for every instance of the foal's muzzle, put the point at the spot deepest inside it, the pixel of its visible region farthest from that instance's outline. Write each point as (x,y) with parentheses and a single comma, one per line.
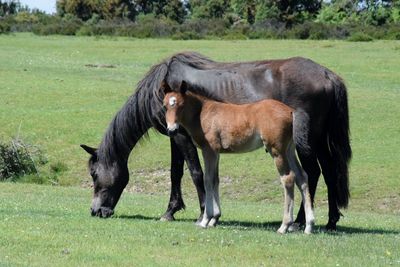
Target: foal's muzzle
(172,130)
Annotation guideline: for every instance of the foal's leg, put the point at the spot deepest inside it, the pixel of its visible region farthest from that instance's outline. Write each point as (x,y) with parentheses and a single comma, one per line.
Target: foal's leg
(212,209)
(301,180)
(287,179)
(215,218)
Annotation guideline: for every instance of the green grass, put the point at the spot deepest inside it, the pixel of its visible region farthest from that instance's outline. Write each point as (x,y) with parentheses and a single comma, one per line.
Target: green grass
(44,226)
(57,102)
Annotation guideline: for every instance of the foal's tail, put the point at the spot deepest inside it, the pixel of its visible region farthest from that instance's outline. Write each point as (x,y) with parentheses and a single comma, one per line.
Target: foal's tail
(301,122)
(339,140)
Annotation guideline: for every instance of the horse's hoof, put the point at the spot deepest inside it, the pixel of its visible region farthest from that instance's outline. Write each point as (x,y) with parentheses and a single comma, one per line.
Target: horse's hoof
(213,222)
(202,225)
(294,227)
(331,227)
(308,230)
(167,218)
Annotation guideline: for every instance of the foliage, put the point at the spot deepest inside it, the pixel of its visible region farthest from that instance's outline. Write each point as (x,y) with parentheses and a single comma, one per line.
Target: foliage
(360,37)
(18,158)
(9,7)
(203,19)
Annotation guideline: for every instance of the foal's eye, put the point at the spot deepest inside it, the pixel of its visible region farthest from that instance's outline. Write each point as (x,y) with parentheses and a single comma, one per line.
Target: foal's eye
(172,101)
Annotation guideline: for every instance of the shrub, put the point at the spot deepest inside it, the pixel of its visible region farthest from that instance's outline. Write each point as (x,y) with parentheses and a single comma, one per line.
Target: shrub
(234,36)
(360,37)
(18,158)
(185,36)
(68,25)
(4,27)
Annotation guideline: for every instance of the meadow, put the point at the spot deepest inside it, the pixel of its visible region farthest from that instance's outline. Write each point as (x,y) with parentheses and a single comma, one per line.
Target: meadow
(58,92)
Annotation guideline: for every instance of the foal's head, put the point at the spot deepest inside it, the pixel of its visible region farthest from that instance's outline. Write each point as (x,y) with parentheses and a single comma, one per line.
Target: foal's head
(174,103)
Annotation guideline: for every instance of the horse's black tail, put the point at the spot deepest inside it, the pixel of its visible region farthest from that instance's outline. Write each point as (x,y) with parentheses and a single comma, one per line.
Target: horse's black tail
(301,123)
(339,140)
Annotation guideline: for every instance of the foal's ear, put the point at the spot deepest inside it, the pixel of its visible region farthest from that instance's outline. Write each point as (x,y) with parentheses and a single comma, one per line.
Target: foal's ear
(184,87)
(92,151)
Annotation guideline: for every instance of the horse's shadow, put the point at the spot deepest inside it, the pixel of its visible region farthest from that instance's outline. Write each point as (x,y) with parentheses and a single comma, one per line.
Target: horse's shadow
(270,226)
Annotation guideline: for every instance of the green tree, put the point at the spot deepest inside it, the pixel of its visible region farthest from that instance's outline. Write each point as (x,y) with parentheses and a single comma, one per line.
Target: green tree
(9,7)
(245,9)
(209,9)
(173,9)
(267,10)
(106,9)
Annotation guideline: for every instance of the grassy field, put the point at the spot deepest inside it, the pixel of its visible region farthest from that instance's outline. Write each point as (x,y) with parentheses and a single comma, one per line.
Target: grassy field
(52,95)
(42,226)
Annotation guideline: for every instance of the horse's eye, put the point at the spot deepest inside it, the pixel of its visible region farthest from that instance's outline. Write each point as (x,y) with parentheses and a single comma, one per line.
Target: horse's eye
(172,101)
(93,174)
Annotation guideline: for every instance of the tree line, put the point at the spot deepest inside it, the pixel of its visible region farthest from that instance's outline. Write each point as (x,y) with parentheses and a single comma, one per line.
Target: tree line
(192,19)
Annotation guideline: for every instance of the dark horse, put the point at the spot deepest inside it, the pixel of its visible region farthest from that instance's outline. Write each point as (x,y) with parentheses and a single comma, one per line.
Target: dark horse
(298,82)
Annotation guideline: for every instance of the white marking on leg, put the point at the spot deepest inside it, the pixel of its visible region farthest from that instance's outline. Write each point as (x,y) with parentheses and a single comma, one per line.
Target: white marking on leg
(301,180)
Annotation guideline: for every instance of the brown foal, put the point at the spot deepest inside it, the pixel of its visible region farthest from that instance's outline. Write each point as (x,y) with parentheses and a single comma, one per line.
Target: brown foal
(227,128)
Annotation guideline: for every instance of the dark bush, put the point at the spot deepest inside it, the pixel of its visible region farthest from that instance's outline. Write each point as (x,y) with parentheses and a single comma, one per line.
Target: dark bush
(233,35)
(360,37)
(5,27)
(185,36)
(206,27)
(68,25)
(18,158)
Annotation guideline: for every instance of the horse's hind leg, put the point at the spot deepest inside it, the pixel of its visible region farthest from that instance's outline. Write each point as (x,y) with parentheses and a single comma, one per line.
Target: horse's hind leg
(302,183)
(311,167)
(328,170)
(287,177)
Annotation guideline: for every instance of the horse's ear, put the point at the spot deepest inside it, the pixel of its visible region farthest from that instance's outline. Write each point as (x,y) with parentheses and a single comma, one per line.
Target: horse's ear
(92,151)
(183,87)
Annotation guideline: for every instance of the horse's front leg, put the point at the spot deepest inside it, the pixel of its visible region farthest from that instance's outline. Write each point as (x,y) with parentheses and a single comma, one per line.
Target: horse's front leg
(211,181)
(186,148)
(175,200)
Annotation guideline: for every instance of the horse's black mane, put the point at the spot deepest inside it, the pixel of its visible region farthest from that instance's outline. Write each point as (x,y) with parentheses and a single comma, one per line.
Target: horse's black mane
(143,109)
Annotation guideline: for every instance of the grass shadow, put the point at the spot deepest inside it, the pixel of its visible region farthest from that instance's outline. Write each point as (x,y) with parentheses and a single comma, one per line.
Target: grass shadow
(271,226)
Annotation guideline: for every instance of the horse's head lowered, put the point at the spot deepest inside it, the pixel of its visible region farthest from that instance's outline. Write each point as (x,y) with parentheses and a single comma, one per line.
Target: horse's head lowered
(109,180)
(173,102)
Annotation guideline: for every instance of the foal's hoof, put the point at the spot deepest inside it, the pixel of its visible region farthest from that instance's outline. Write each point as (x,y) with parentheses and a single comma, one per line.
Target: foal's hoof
(167,218)
(202,225)
(213,222)
(282,230)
